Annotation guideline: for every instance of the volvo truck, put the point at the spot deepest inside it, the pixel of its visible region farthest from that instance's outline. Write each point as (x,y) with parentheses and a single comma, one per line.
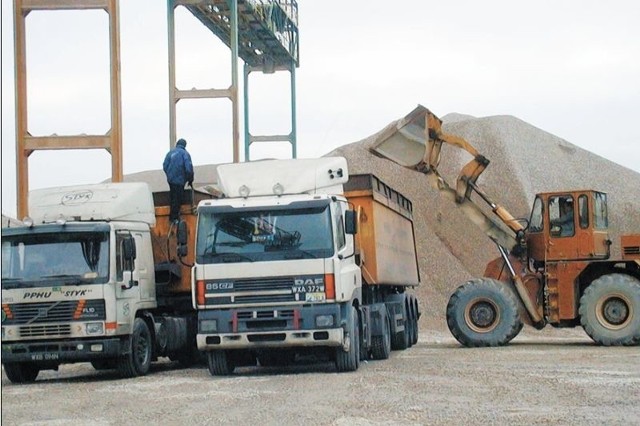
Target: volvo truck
(98,274)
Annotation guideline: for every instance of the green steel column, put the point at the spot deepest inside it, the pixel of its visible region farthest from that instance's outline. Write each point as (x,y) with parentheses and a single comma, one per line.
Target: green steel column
(247,135)
(233,5)
(293,137)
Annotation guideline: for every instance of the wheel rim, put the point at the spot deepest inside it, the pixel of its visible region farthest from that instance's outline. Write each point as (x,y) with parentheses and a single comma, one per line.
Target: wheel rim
(482,315)
(142,349)
(614,311)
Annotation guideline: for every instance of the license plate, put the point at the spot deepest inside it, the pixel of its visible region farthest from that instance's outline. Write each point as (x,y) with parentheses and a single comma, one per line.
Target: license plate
(314,297)
(47,356)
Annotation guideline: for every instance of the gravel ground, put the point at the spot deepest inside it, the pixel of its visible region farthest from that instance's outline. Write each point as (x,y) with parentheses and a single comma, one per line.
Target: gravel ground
(549,377)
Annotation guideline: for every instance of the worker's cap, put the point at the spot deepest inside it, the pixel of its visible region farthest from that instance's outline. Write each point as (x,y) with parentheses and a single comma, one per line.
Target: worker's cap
(181,142)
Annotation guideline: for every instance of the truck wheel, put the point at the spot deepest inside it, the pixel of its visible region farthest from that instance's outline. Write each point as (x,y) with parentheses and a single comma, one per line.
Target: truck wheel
(483,312)
(138,360)
(350,360)
(414,322)
(381,345)
(220,363)
(21,372)
(610,310)
(402,339)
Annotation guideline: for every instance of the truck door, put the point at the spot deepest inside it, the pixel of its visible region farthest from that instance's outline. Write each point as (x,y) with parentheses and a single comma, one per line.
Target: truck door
(127,282)
(345,266)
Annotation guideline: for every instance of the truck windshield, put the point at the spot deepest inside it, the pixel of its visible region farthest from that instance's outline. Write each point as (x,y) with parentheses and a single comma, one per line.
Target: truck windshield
(264,235)
(59,258)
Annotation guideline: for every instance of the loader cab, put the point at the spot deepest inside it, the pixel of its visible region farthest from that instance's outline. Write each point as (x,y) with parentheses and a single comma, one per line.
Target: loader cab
(569,226)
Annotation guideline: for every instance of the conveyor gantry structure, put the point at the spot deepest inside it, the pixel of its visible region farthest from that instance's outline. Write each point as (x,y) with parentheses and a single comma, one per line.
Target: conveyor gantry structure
(264,34)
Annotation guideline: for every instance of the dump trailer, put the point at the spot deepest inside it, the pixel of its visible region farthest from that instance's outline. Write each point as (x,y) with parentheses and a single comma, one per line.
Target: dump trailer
(300,259)
(554,268)
(97,274)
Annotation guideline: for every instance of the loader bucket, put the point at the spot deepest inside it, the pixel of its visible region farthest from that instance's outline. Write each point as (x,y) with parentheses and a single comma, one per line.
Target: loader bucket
(404,141)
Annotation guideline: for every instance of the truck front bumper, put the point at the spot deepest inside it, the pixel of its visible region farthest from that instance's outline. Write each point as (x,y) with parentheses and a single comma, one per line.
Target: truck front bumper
(278,327)
(61,352)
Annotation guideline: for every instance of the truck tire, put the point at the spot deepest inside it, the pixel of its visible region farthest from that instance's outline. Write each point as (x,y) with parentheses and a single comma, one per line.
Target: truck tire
(381,345)
(483,312)
(138,361)
(610,310)
(21,372)
(350,360)
(402,339)
(220,363)
(414,320)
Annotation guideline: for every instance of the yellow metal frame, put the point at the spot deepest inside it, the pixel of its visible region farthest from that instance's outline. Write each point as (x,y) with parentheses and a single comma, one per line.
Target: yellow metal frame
(25,142)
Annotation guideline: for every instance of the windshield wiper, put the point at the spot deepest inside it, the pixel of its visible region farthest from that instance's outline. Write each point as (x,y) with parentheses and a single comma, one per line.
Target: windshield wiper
(299,254)
(9,283)
(230,257)
(68,278)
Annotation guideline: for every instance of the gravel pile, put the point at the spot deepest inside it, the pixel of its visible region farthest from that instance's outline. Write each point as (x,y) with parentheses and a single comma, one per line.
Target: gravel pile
(525,160)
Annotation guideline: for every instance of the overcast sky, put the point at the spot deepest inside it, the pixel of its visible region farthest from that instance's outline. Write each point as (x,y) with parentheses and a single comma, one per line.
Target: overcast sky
(570,67)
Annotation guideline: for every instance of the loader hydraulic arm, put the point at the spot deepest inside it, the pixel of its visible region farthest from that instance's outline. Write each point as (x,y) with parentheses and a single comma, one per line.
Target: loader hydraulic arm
(416,140)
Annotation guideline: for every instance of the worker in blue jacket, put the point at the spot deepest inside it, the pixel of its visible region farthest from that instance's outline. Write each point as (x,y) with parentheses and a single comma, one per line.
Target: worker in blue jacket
(179,170)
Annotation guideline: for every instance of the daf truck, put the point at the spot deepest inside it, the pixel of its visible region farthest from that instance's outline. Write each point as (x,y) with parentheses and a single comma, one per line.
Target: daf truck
(300,258)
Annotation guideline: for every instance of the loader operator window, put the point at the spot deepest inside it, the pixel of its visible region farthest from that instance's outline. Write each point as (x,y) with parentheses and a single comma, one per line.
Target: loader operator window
(583,208)
(561,216)
(600,218)
(535,223)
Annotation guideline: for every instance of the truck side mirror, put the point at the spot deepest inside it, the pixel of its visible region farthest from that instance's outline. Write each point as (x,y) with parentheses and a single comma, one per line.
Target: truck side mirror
(350,222)
(129,248)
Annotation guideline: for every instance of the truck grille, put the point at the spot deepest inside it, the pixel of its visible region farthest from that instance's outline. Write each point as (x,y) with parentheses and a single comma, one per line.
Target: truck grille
(49,312)
(257,291)
(45,330)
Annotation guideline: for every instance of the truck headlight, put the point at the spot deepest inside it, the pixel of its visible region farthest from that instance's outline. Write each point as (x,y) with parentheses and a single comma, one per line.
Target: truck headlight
(208,326)
(94,328)
(324,321)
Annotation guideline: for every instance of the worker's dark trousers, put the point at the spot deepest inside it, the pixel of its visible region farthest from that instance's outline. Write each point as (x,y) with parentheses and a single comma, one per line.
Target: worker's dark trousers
(176,195)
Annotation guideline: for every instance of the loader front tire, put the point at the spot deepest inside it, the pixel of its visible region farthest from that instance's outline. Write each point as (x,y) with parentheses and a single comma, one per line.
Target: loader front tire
(483,312)
(610,310)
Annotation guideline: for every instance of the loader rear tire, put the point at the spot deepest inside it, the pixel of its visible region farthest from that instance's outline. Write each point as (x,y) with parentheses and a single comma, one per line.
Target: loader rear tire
(610,310)
(483,312)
